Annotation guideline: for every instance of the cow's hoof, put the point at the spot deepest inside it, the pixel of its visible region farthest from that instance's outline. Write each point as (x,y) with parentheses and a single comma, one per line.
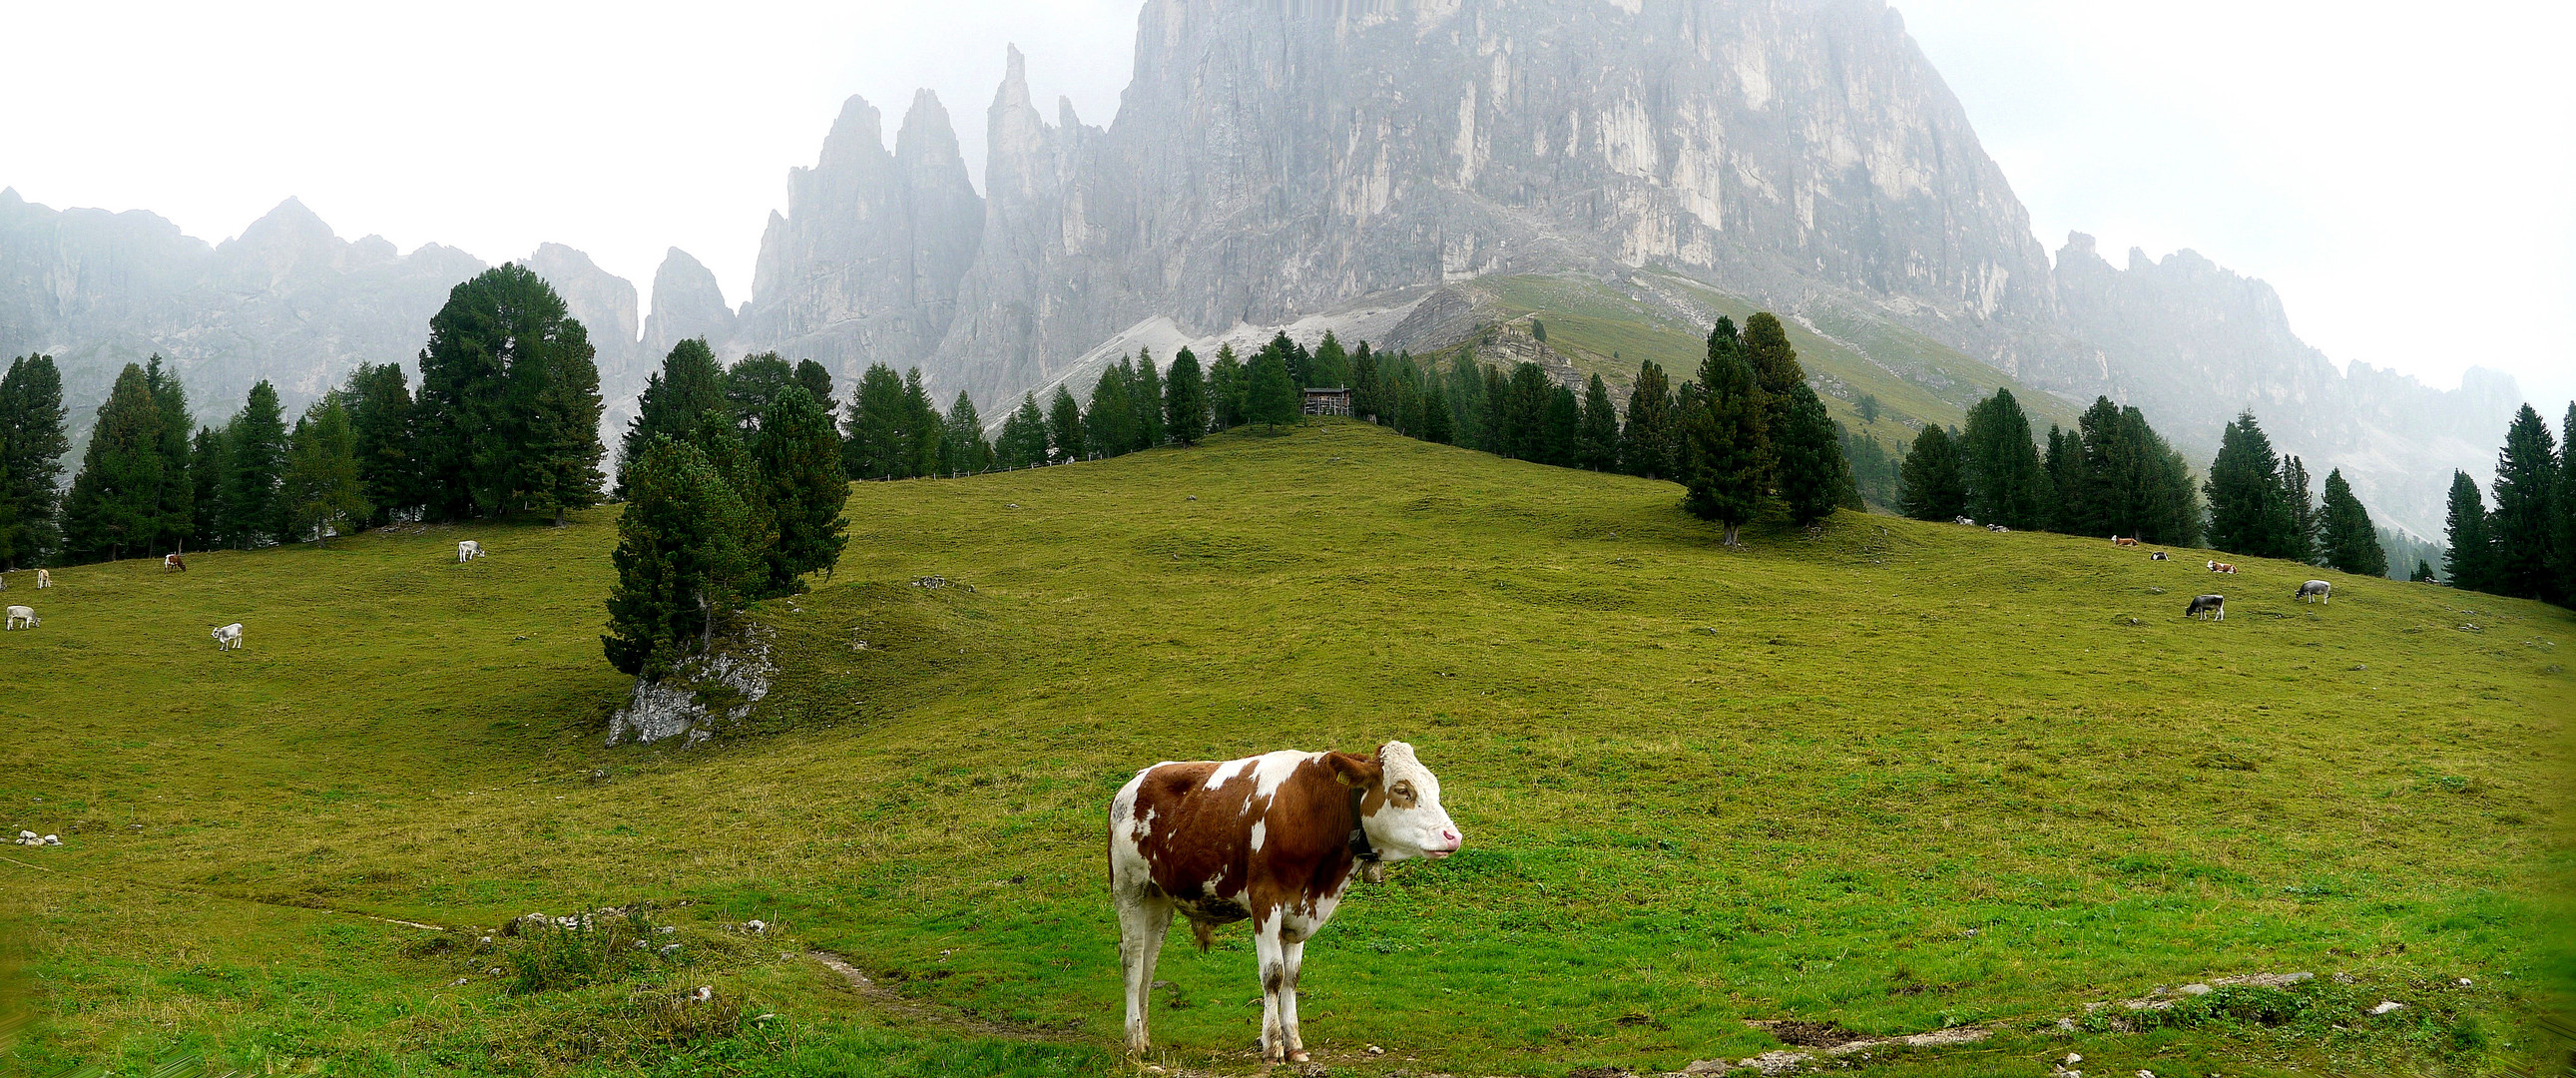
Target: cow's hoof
(1299,1056)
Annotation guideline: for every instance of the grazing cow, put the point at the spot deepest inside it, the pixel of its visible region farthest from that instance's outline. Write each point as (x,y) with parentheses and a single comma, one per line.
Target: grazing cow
(1964,521)
(467,551)
(2157,556)
(1998,529)
(2223,567)
(44,580)
(172,563)
(2117,541)
(2316,589)
(228,637)
(2208,604)
(26,614)
(1273,839)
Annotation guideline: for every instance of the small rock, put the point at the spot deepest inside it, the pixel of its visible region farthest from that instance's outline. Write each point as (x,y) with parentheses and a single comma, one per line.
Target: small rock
(666,929)
(57,840)
(493,972)
(756,926)
(487,939)
(1194,497)
(1162,984)
(2346,978)
(666,949)
(2194,990)
(704,993)
(2386,1006)
(454,983)
(2298,978)
(1372,1049)
(2073,1058)
(766,1017)
(2464,982)
(1149,1068)
(25,835)
(2066,1024)
(2145,1073)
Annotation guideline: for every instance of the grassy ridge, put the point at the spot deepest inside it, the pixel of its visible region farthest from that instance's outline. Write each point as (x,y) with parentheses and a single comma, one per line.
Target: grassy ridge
(1897,777)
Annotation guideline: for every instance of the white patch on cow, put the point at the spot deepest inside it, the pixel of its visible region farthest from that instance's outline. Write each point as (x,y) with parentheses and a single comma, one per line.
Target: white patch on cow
(1260,831)
(1225,772)
(1273,768)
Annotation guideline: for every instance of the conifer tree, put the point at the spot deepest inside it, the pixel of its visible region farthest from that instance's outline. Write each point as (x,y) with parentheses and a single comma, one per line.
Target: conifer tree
(1463,389)
(874,424)
(963,449)
(1145,396)
(2299,530)
(1935,487)
(1109,421)
(2472,558)
(175,517)
(2001,462)
(817,383)
(2246,510)
(1775,369)
(1227,389)
(2523,529)
(1270,398)
(1726,451)
(1439,427)
(1813,477)
(1368,389)
(2423,572)
(1648,441)
(690,384)
(254,461)
(1330,366)
(751,384)
(1562,428)
(1024,435)
(207,469)
(682,560)
(1064,426)
(32,444)
(798,460)
(322,490)
(1596,443)
(508,409)
(2566,539)
(922,427)
(2348,540)
(381,419)
(1185,401)
(115,498)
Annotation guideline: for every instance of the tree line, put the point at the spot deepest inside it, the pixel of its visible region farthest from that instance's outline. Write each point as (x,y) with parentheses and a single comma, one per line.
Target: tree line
(2525,545)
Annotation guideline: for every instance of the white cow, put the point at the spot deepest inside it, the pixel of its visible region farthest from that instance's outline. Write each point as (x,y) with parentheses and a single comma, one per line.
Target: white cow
(228,637)
(2316,590)
(20,613)
(44,580)
(467,551)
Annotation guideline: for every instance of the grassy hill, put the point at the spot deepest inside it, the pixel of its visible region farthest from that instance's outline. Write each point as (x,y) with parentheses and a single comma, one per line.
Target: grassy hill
(1898,777)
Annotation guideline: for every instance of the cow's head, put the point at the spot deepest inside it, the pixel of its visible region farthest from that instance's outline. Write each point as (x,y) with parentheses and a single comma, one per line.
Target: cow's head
(1399,803)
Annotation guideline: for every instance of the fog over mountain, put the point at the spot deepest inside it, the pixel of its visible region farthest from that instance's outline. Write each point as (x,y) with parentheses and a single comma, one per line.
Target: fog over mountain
(1269,166)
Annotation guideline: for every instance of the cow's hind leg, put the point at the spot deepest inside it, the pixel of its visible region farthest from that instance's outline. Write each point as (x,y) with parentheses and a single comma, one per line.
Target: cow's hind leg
(1144,917)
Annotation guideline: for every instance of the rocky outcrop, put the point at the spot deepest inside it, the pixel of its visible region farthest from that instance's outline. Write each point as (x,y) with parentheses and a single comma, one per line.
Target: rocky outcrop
(687,303)
(703,693)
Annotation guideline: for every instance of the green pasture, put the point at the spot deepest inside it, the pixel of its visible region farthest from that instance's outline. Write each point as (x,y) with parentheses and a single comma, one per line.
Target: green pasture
(1895,776)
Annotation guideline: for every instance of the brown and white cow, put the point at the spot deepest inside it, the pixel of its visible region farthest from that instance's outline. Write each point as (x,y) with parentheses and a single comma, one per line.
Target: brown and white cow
(2117,541)
(1274,839)
(173,563)
(2222,567)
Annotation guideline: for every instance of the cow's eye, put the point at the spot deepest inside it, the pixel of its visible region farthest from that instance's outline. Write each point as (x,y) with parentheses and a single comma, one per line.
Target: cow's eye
(1401,793)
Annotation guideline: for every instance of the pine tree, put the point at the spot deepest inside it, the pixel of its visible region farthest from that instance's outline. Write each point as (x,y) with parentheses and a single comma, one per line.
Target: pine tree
(254,460)
(2001,462)
(690,384)
(2348,540)
(2246,510)
(1562,428)
(2423,572)
(1463,388)
(1935,485)
(1776,370)
(1726,452)
(322,489)
(874,448)
(1064,426)
(1270,398)
(1185,401)
(817,383)
(1439,426)
(114,501)
(1145,396)
(509,401)
(2567,507)
(32,444)
(1109,421)
(2472,560)
(2300,521)
(1813,477)
(681,559)
(963,449)
(752,384)
(1596,442)
(1330,366)
(2524,527)
(922,427)
(1024,435)
(1649,440)
(207,469)
(1368,387)
(798,459)
(381,420)
(175,516)
(1227,389)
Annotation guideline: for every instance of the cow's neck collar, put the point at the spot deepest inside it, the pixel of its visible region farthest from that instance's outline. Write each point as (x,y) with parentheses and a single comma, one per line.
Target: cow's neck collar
(1359,842)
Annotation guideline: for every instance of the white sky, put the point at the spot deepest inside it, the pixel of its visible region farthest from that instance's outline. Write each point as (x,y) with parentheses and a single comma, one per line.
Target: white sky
(2405,175)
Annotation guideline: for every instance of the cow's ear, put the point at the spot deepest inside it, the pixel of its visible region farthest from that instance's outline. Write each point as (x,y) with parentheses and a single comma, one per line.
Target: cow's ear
(1360,772)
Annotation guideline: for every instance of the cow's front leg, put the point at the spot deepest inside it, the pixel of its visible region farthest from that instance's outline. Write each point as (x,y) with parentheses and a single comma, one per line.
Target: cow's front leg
(1292,955)
(1274,981)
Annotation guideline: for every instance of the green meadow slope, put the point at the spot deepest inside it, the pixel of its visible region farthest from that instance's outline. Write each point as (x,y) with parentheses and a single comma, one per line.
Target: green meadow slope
(1896,777)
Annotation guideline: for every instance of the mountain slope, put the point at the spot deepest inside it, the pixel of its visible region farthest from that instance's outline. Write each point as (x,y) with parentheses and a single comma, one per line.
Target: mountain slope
(1896,778)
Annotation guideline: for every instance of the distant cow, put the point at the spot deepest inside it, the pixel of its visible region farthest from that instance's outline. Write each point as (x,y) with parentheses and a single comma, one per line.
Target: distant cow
(1998,529)
(2222,567)
(1965,521)
(18,614)
(2157,556)
(172,563)
(2316,590)
(2208,605)
(1272,839)
(228,637)
(468,551)
(44,580)
(2117,541)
